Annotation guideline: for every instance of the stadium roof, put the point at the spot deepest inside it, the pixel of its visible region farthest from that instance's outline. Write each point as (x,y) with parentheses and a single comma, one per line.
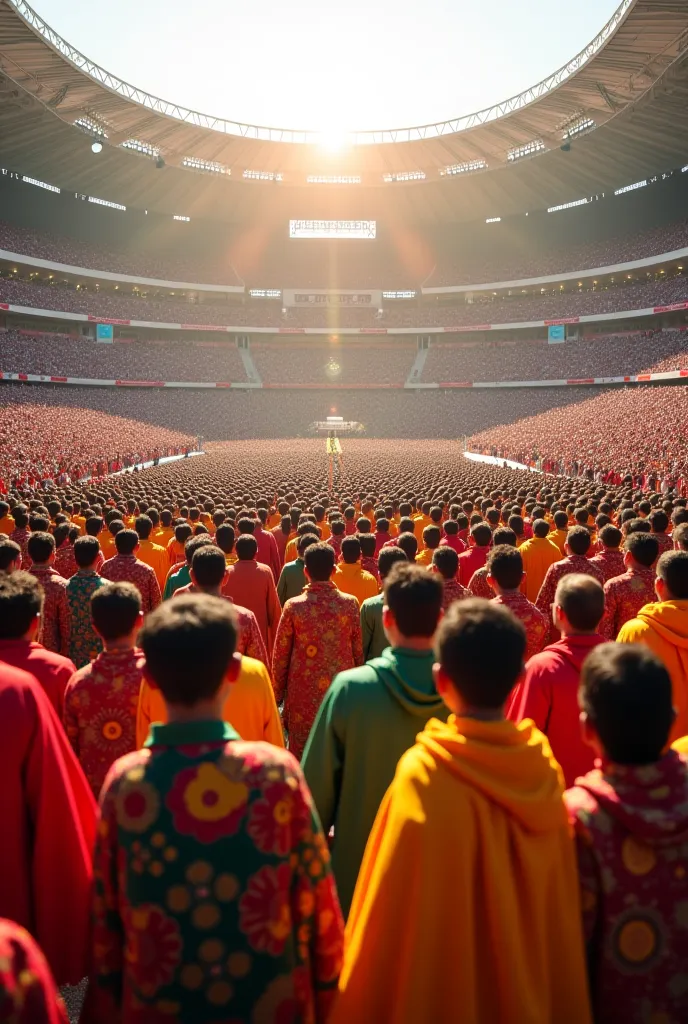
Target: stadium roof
(621,105)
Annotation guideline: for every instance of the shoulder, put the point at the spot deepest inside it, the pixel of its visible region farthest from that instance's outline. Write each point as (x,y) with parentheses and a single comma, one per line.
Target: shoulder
(372,603)
(254,672)
(633,629)
(126,773)
(353,678)
(368,576)
(80,680)
(260,763)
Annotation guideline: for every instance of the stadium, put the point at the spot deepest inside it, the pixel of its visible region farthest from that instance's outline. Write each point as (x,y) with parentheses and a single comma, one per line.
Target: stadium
(207,323)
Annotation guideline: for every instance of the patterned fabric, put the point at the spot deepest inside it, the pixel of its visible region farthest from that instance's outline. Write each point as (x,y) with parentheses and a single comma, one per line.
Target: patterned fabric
(84,642)
(610,561)
(478,585)
(631,827)
(624,596)
(214,898)
(127,568)
(249,640)
(21,537)
(65,562)
(318,636)
(370,565)
(665,542)
(453,591)
(537,626)
(556,572)
(27,990)
(100,711)
(54,631)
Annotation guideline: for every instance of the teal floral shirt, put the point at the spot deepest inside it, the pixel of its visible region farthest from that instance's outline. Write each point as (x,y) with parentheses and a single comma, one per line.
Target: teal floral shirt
(84,642)
(214,898)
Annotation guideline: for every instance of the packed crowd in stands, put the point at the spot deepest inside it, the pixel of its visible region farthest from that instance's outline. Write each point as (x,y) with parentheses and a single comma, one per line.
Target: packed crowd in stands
(486,309)
(642,430)
(302,700)
(588,356)
(312,363)
(143,259)
(493,256)
(48,445)
(487,256)
(157,359)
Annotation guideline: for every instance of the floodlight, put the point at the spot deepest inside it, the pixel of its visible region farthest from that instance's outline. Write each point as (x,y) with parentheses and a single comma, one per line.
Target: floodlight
(96,147)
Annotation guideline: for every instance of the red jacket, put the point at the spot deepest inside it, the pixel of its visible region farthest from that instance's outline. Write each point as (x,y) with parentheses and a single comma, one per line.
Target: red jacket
(268,552)
(469,562)
(53,671)
(453,542)
(548,694)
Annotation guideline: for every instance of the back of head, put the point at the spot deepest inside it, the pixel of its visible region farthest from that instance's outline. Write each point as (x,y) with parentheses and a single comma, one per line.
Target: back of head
(246,547)
(446,562)
(21,600)
(194,544)
(625,692)
(41,546)
(363,525)
(351,550)
(188,644)
(304,542)
(505,564)
(578,540)
(611,537)
(659,521)
(561,520)
(207,565)
(481,534)
(680,537)
(504,535)
(319,561)
(126,542)
(643,548)
(406,525)
(436,514)
(9,553)
(480,648)
(94,526)
(246,525)
(368,544)
(408,544)
(636,526)
(451,528)
(224,538)
(432,535)
(672,568)
(143,526)
(581,599)
(541,528)
(414,597)
(86,551)
(389,557)
(115,609)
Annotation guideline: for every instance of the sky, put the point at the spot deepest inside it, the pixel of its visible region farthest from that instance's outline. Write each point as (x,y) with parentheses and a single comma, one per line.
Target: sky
(326,65)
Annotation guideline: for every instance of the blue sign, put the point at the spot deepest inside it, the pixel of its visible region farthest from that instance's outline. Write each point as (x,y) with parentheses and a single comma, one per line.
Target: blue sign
(556,333)
(105,332)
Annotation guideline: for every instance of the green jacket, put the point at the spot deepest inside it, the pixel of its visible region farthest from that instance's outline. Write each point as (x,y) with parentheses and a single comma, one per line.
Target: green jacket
(369,717)
(374,639)
(292,580)
(180,579)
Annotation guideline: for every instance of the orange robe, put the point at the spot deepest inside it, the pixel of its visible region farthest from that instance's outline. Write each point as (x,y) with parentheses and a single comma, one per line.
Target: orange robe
(155,556)
(352,579)
(538,554)
(472,832)
(250,706)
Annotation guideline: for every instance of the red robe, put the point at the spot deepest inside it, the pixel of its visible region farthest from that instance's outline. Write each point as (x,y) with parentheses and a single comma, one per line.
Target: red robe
(28,994)
(48,819)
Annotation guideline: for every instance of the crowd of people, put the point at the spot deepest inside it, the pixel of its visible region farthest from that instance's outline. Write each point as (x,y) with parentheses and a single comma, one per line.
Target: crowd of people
(268,721)
(311,362)
(44,446)
(637,430)
(122,303)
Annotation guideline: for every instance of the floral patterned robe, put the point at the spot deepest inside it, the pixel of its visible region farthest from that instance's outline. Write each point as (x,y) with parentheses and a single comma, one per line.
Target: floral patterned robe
(318,636)
(214,897)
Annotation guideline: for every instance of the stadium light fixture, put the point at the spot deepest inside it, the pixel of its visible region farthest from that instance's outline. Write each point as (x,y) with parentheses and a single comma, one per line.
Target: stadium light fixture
(96,147)
(492,220)
(180,216)
(466,168)
(333,179)
(404,176)
(631,188)
(529,149)
(579,127)
(262,175)
(194,163)
(138,146)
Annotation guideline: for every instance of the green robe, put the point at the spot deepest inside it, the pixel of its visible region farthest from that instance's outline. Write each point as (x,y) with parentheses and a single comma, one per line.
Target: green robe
(372,631)
(369,717)
(292,581)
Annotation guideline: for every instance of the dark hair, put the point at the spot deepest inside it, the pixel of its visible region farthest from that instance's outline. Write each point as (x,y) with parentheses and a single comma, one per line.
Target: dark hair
(672,568)
(541,528)
(659,521)
(9,552)
(506,565)
(625,691)
(188,644)
(246,547)
(581,598)
(408,542)
(504,535)
(126,542)
(480,647)
(86,551)
(368,544)
(208,565)
(432,535)
(643,547)
(21,600)
(351,550)
(182,532)
(115,608)
(305,541)
(194,543)
(38,524)
(578,539)
(481,534)
(680,536)
(143,526)
(115,526)
(414,597)
(451,528)
(446,561)
(363,525)
(611,536)
(224,538)
(40,546)
(93,526)
(319,560)
(637,526)
(246,525)
(389,557)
